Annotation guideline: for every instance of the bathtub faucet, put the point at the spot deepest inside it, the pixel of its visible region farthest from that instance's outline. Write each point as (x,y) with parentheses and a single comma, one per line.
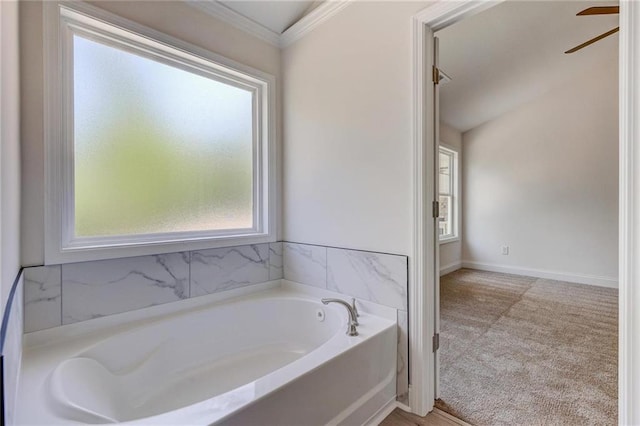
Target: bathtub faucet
(353,314)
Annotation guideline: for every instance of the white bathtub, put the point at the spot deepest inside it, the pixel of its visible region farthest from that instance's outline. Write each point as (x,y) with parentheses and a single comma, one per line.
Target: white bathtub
(274,357)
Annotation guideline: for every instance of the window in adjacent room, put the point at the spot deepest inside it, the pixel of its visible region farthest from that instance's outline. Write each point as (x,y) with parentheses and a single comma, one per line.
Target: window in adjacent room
(152,142)
(448,195)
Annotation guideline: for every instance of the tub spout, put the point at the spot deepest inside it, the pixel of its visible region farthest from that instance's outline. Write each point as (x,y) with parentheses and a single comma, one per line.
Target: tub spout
(353,314)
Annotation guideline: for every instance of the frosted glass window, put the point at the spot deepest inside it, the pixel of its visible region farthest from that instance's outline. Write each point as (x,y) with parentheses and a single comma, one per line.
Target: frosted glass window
(153,145)
(157,148)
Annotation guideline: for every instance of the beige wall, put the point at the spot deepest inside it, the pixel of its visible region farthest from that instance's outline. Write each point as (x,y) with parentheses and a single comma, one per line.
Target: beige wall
(543,179)
(347,130)
(10,148)
(171,17)
(451,252)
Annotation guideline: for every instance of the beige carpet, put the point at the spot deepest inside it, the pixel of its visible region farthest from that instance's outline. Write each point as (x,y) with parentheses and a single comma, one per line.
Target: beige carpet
(526,351)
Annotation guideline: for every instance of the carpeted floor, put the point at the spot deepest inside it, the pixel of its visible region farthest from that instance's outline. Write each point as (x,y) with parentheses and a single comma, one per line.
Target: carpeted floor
(526,351)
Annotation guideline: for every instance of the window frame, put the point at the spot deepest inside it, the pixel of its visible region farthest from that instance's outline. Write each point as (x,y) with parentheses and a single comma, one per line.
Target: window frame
(455,192)
(61,22)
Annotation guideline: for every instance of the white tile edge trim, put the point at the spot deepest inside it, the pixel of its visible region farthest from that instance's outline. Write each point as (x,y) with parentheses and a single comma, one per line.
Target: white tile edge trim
(365,306)
(292,34)
(230,16)
(308,22)
(541,273)
(82,328)
(446,269)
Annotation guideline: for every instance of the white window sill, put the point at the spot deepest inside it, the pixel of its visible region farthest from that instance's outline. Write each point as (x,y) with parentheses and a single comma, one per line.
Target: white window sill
(449,240)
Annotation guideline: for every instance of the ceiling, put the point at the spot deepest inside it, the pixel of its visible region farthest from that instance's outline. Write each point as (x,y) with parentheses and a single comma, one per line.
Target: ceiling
(274,15)
(514,53)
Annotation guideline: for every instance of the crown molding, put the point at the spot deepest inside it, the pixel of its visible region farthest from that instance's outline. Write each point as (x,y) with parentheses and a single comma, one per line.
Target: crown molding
(316,17)
(222,12)
(295,32)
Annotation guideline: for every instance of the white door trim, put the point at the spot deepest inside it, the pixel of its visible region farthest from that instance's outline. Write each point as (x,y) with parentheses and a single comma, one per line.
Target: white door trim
(422,279)
(423,273)
(629,216)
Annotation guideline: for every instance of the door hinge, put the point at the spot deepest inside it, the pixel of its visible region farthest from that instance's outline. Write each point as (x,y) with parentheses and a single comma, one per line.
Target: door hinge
(436,342)
(436,210)
(436,75)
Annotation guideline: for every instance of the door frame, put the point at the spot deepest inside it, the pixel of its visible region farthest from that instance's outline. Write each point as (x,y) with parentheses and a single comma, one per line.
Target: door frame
(423,278)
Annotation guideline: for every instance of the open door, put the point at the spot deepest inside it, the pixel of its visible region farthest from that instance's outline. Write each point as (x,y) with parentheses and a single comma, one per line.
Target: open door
(424,273)
(436,217)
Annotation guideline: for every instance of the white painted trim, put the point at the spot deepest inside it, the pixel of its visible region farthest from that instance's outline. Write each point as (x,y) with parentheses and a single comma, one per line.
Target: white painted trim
(423,253)
(542,273)
(310,21)
(289,36)
(3,124)
(629,215)
(61,21)
(449,240)
(423,275)
(231,17)
(447,269)
(382,413)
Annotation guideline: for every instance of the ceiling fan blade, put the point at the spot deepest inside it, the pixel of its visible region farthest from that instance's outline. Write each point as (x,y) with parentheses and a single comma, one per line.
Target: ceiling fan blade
(593,40)
(600,10)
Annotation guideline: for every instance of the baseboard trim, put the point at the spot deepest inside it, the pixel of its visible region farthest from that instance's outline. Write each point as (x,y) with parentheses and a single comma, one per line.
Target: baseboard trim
(446,269)
(540,273)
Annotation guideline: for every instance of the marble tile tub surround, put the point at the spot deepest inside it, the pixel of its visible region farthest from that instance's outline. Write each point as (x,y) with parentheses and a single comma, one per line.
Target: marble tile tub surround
(65,294)
(376,277)
(402,381)
(42,297)
(226,268)
(106,287)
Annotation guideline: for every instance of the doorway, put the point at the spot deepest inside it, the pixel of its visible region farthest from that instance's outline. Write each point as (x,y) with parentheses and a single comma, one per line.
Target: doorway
(422,308)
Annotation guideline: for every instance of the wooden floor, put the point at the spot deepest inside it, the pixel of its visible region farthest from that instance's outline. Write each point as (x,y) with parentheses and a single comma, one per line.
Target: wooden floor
(435,418)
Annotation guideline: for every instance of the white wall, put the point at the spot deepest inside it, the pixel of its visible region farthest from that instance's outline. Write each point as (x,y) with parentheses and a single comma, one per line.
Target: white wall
(543,179)
(451,252)
(347,130)
(171,17)
(10,148)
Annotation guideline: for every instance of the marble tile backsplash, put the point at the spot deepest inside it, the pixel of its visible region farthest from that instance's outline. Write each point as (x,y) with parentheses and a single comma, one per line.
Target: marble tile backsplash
(228,268)
(305,264)
(276,271)
(377,277)
(106,287)
(42,297)
(64,294)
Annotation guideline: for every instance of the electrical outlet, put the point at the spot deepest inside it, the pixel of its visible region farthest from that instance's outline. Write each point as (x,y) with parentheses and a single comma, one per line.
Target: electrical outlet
(505,250)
